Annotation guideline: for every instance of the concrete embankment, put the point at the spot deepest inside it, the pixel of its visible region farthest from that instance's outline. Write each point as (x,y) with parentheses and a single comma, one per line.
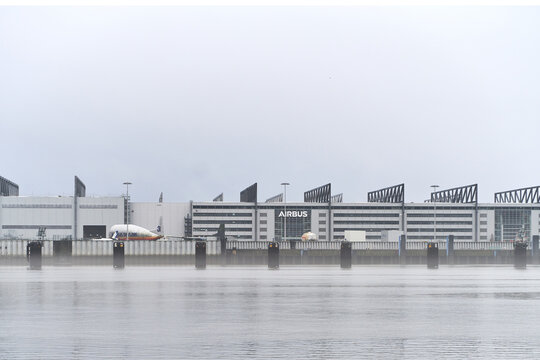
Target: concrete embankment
(148,253)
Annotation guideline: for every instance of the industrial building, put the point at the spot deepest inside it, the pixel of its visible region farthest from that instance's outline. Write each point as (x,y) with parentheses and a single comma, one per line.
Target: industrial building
(456,211)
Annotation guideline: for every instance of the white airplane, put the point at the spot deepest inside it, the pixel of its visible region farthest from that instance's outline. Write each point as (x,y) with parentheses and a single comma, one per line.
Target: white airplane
(118,232)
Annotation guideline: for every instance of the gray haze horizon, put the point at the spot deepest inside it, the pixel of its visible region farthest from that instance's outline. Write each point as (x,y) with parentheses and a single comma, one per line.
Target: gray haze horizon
(195,101)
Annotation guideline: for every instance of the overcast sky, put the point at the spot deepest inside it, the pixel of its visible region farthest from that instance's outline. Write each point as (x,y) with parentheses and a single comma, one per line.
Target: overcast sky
(198,101)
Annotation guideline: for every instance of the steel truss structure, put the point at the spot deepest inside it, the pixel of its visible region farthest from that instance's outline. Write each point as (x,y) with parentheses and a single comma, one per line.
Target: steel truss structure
(218,198)
(80,188)
(8,188)
(337,198)
(319,195)
(276,198)
(249,194)
(464,194)
(530,195)
(392,194)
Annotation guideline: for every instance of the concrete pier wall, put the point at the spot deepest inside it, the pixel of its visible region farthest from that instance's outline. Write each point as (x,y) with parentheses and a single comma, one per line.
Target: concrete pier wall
(140,252)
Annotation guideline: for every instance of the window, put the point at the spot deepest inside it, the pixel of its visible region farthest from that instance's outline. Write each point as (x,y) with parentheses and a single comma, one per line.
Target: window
(365,215)
(263,214)
(322,237)
(322,222)
(511,223)
(221,214)
(263,222)
(322,215)
(263,229)
(439,222)
(221,222)
(439,215)
(263,237)
(322,229)
(483,230)
(483,222)
(367,222)
(483,237)
(483,215)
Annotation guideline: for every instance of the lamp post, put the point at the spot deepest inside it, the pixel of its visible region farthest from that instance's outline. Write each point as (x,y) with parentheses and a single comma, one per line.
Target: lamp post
(285,208)
(127,183)
(435,213)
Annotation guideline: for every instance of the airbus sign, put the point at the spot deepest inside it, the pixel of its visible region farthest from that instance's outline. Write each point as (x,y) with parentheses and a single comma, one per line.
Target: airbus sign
(294,214)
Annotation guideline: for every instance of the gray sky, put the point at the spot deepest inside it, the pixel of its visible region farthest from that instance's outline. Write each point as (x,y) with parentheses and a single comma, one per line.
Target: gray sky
(198,101)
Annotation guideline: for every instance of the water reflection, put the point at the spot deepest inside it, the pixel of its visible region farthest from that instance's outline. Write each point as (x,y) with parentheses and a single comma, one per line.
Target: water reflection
(301,313)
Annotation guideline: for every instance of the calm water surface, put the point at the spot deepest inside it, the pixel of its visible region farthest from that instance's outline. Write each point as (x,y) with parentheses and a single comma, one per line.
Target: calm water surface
(294,313)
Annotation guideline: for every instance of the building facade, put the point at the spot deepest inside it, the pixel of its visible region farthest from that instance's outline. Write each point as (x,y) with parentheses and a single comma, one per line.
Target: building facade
(450,212)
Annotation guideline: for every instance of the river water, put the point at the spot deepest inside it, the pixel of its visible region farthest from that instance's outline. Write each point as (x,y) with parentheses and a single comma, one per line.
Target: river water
(255,313)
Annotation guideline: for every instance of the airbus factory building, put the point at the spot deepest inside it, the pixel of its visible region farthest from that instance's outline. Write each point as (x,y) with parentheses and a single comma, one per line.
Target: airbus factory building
(456,211)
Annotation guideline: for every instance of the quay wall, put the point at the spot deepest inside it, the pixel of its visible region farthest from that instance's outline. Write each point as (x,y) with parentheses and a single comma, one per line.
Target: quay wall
(141,252)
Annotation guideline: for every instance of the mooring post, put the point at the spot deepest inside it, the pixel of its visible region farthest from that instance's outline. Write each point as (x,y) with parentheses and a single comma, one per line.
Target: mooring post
(118,255)
(33,255)
(346,255)
(402,252)
(432,255)
(273,255)
(450,249)
(535,253)
(520,255)
(223,244)
(200,255)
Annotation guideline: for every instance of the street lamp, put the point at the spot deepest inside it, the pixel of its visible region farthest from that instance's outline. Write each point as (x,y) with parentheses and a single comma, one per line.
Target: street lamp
(435,213)
(127,183)
(285,208)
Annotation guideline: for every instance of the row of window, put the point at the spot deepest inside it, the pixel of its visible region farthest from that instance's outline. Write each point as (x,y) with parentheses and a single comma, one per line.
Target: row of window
(439,215)
(227,229)
(448,230)
(88,206)
(439,222)
(222,214)
(232,206)
(363,229)
(367,222)
(222,221)
(424,237)
(36,206)
(365,215)
(31,227)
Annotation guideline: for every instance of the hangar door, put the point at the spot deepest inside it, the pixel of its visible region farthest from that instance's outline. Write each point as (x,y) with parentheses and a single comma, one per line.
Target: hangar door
(94,231)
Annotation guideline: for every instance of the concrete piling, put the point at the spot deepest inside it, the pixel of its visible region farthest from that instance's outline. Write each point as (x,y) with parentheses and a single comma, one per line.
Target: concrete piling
(432,255)
(273,255)
(535,253)
(450,249)
(402,252)
(520,255)
(33,255)
(200,255)
(118,255)
(346,255)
